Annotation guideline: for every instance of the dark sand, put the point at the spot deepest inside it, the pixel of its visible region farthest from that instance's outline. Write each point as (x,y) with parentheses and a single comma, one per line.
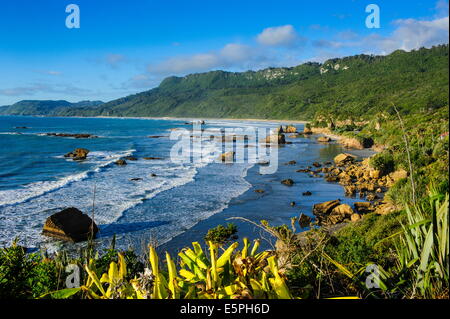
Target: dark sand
(274,204)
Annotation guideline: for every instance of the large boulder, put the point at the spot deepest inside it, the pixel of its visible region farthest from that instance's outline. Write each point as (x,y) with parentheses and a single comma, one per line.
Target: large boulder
(276,139)
(70,224)
(290,129)
(323,139)
(343,159)
(363,207)
(78,154)
(326,207)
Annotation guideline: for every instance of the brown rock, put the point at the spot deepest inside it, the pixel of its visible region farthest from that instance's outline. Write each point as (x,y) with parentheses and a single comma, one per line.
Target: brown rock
(343,209)
(78,154)
(316,164)
(276,139)
(121,162)
(355,217)
(288,182)
(290,129)
(304,220)
(323,139)
(350,190)
(153,158)
(363,207)
(326,207)
(70,224)
(343,159)
(259,191)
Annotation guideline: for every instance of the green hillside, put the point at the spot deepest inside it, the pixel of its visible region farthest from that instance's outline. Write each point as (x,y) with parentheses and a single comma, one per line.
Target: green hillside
(354,86)
(43,107)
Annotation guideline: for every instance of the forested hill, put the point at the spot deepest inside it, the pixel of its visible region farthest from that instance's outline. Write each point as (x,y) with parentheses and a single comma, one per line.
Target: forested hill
(44,107)
(359,85)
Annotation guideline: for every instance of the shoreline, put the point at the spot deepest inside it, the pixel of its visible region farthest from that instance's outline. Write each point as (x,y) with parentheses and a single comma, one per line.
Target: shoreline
(277,197)
(169,118)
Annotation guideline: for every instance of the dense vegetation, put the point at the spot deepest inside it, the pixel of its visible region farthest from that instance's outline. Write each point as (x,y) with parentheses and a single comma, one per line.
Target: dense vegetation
(351,86)
(48,108)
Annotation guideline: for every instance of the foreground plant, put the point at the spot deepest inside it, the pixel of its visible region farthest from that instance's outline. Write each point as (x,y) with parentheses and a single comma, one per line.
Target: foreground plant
(242,275)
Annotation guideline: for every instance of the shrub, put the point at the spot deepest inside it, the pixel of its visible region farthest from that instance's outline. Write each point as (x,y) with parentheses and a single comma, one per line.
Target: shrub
(384,162)
(220,234)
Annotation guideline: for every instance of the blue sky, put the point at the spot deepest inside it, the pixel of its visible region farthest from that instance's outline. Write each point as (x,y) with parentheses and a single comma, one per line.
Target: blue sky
(123,48)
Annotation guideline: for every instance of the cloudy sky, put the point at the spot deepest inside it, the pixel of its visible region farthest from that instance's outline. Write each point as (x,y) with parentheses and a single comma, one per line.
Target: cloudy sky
(125,47)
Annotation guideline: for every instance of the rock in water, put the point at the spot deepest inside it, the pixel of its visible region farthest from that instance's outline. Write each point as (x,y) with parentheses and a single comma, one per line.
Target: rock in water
(121,162)
(326,207)
(70,224)
(324,139)
(288,182)
(290,129)
(78,154)
(276,139)
(343,159)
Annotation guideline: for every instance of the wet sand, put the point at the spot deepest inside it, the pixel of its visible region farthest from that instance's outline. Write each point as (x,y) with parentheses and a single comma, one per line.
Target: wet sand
(274,204)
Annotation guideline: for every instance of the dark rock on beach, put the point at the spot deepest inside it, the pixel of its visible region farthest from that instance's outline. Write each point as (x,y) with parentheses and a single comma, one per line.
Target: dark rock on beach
(70,224)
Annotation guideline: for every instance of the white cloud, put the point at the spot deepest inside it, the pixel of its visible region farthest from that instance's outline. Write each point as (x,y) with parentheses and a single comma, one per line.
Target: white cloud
(284,36)
(413,34)
(408,34)
(232,55)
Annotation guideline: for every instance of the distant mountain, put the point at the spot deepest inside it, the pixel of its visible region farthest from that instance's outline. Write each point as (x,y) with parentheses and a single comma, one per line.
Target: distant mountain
(356,86)
(44,107)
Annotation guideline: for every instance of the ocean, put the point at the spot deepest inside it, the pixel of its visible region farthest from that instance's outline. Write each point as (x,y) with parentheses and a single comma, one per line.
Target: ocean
(36,180)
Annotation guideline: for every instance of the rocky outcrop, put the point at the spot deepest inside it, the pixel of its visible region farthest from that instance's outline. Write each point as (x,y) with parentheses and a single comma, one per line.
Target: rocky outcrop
(307,130)
(332,213)
(275,139)
(304,220)
(326,207)
(78,154)
(357,143)
(70,225)
(323,139)
(150,158)
(343,159)
(130,158)
(290,129)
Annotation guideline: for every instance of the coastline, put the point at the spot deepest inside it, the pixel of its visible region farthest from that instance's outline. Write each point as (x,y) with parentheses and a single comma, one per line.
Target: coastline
(172,118)
(274,204)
